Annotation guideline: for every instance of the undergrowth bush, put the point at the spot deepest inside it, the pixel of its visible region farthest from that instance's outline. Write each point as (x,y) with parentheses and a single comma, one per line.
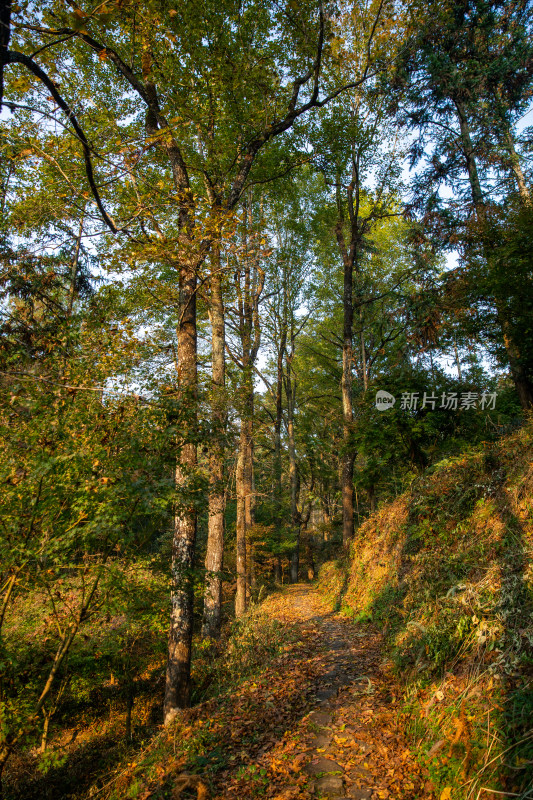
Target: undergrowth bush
(251,643)
(447,571)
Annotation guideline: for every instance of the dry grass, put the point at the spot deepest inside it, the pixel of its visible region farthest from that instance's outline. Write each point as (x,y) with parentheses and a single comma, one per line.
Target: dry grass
(447,570)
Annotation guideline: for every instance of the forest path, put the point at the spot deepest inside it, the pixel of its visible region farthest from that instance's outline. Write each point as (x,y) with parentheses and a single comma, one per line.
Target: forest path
(350,743)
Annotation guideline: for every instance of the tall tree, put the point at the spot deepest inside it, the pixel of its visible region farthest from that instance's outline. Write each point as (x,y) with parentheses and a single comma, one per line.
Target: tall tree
(249,276)
(368,147)
(217,496)
(467,78)
(207,91)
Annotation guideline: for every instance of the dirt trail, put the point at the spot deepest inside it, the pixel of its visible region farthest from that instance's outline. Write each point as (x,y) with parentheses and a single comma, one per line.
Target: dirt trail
(349,744)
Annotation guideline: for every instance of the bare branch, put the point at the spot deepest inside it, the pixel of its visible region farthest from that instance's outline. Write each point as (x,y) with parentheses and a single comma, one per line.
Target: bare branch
(13,57)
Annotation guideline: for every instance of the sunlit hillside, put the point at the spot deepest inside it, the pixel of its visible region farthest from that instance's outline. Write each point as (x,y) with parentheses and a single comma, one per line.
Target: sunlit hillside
(447,571)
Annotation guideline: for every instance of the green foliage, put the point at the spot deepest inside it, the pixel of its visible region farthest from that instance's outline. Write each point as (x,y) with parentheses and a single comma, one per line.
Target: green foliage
(445,571)
(506,284)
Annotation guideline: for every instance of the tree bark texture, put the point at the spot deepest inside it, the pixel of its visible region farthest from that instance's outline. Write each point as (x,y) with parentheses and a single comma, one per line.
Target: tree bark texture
(348,456)
(214,560)
(177,688)
(244,487)
(249,282)
(278,489)
(294,479)
(514,162)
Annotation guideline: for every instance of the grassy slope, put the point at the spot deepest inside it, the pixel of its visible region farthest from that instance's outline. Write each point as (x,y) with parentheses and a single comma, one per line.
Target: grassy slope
(447,570)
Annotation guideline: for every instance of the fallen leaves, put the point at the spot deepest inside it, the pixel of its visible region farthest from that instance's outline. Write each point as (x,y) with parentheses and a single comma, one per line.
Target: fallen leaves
(350,735)
(275,741)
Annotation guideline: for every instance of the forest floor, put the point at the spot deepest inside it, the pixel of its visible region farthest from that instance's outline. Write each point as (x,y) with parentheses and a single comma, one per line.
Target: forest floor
(317,713)
(350,742)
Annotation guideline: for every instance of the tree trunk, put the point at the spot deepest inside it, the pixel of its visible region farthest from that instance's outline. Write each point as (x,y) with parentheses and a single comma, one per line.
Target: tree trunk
(364,367)
(177,688)
(457,360)
(244,493)
(214,559)
(471,166)
(311,571)
(249,495)
(295,559)
(350,260)
(240,546)
(347,461)
(372,498)
(278,489)
(290,389)
(516,169)
(248,296)
(74,268)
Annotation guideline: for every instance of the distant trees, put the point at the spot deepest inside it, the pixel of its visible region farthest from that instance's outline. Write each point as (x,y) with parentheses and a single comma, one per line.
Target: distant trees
(462,84)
